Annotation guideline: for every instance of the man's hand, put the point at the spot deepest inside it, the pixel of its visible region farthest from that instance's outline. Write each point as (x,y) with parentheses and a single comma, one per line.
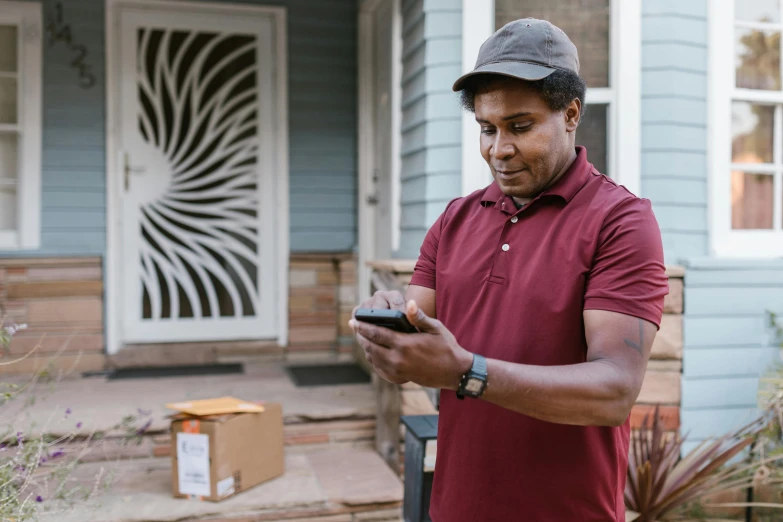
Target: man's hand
(391,300)
(431,358)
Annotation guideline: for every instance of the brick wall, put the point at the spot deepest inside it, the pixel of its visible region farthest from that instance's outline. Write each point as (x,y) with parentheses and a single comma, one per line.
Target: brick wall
(61,301)
(322,296)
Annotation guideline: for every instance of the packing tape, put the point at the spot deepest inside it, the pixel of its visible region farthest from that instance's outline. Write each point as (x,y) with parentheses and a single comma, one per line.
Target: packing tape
(191,426)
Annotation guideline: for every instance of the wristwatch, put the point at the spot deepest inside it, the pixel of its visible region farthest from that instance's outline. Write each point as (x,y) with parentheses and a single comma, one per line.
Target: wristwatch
(474,382)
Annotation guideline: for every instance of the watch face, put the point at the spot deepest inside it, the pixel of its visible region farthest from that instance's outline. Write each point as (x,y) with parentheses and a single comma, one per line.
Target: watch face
(474,385)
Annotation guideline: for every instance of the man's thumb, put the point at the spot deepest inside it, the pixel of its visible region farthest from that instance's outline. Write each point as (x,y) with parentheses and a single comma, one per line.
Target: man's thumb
(418,318)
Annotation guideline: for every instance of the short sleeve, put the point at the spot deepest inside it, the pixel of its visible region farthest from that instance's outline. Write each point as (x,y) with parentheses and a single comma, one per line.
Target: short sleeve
(424,272)
(628,275)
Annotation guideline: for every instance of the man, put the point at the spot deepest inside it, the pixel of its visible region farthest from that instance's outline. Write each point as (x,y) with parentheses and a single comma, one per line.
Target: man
(537,299)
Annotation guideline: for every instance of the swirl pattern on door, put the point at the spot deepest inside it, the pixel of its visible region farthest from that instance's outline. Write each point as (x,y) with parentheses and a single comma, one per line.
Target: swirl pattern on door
(198,99)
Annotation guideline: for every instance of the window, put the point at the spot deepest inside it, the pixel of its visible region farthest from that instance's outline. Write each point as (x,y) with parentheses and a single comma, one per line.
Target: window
(20,124)
(746,148)
(607,34)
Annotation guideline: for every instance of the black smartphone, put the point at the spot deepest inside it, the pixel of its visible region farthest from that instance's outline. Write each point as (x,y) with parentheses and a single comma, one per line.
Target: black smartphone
(393,319)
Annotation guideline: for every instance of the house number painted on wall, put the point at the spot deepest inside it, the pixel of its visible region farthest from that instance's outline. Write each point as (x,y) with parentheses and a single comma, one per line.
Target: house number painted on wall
(61,32)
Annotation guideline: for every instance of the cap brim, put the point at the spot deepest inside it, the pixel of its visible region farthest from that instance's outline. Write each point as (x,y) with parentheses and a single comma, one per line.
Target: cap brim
(519,70)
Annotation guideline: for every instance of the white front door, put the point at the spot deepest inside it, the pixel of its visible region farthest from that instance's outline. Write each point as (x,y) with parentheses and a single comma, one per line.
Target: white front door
(197,137)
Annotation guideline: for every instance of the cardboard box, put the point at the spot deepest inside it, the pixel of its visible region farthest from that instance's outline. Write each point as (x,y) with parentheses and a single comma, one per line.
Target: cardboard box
(224,446)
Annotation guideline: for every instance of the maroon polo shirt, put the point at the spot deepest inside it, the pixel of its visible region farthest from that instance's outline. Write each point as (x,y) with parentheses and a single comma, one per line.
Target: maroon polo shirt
(512,285)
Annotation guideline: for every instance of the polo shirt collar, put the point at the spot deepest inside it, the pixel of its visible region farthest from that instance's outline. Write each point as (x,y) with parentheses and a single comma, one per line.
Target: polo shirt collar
(566,187)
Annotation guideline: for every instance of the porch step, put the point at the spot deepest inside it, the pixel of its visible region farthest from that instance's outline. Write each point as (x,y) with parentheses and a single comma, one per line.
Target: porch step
(329,485)
(307,436)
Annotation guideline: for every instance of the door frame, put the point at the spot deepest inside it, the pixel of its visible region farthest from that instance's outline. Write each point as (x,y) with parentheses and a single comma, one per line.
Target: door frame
(366,128)
(113,261)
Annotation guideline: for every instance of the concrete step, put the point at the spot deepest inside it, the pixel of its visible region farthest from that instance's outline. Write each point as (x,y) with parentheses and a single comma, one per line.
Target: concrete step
(327,485)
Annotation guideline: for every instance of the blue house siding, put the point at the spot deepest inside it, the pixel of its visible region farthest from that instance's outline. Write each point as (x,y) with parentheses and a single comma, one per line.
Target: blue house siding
(431,119)
(674,122)
(728,343)
(322,131)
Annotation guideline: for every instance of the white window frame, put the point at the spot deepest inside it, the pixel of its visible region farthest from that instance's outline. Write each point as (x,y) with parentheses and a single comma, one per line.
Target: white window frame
(724,241)
(624,126)
(27,16)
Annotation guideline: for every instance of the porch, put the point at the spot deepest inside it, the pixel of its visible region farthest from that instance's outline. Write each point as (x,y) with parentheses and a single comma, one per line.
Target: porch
(333,473)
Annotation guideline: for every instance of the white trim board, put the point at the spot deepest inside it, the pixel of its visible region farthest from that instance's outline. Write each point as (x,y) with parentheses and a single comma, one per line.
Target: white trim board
(114,336)
(28,19)
(366,129)
(478,24)
(724,241)
(624,133)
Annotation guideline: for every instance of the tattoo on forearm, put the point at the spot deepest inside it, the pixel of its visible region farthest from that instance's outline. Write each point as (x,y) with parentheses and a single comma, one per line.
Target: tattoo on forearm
(638,347)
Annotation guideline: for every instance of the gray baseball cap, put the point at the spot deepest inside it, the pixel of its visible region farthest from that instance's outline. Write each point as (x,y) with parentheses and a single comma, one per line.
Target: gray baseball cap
(528,49)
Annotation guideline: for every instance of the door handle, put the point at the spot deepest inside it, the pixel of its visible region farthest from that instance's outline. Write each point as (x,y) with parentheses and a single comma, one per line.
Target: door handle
(128,170)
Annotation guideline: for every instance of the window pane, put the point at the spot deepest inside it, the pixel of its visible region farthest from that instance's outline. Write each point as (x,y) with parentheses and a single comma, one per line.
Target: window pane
(8,48)
(751,132)
(757,10)
(757,59)
(751,200)
(7,100)
(592,134)
(7,208)
(8,156)
(586,22)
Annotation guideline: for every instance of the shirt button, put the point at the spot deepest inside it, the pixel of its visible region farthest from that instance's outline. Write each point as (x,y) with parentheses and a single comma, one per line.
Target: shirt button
(514,219)
(505,247)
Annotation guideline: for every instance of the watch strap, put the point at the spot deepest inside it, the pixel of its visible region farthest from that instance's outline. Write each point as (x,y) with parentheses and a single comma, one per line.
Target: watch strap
(477,371)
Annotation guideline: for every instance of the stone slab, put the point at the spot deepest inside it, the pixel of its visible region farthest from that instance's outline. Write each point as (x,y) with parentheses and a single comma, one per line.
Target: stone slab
(355,477)
(99,403)
(328,483)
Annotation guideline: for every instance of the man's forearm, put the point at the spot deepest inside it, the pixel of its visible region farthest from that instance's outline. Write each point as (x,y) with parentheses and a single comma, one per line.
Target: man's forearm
(587,394)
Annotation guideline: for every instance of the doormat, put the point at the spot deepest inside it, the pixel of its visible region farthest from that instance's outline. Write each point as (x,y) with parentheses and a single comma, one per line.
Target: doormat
(154,372)
(328,374)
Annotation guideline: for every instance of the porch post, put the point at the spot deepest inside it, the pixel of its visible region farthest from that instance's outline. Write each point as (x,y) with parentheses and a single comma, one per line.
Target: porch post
(478,24)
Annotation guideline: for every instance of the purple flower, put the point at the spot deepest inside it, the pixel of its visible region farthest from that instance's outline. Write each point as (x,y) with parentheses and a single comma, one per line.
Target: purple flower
(67,412)
(78,425)
(43,460)
(3,446)
(144,428)
(57,454)
(39,498)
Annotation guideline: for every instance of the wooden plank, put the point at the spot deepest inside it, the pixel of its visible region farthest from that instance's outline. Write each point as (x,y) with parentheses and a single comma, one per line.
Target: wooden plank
(660,388)
(387,432)
(680,217)
(720,392)
(664,366)
(68,364)
(724,331)
(669,339)
(723,362)
(70,273)
(711,422)
(672,303)
(55,289)
(733,300)
(744,277)
(50,261)
(85,310)
(53,343)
